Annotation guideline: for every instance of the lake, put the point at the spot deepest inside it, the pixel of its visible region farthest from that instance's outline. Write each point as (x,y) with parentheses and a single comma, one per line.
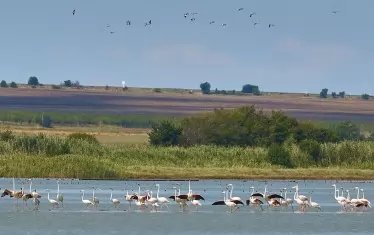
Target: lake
(73,218)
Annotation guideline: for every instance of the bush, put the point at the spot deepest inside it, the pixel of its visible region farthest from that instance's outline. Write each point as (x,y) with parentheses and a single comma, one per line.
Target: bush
(83,137)
(13,85)
(46,121)
(365,96)
(313,149)
(3,84)
(157,90)
(278,155)
(165,134)
(6,135)
(56,87)
(334,95)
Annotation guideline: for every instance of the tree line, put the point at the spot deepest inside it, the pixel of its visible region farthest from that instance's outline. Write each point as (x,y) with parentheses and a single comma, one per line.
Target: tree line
(251,127)
(246,89)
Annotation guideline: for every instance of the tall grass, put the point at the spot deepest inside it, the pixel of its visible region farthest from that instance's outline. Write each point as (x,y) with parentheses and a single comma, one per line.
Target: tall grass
(52,156)
(132,121)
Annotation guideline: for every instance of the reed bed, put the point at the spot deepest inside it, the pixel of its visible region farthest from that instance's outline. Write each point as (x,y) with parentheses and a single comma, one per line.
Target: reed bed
(56,156)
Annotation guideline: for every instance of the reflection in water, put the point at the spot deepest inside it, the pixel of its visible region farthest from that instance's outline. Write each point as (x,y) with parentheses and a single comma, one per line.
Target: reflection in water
(73,218)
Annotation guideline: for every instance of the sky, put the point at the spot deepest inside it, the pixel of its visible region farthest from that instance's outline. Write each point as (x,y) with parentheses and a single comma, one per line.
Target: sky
(308,49)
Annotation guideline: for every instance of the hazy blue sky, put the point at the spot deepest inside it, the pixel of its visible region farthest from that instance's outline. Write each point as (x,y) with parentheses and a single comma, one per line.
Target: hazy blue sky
(308,49)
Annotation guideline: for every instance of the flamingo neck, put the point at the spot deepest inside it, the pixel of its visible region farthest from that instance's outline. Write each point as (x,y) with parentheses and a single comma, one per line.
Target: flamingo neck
(232,189)
(335,195)
(358,193)
(158,190)
(111,195)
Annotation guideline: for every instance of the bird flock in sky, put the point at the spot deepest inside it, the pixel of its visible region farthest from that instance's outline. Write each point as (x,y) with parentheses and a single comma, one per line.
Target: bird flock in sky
(151,202)
(192,16)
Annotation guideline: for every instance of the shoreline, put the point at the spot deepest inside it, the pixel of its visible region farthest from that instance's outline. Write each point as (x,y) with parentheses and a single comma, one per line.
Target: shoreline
(185,174)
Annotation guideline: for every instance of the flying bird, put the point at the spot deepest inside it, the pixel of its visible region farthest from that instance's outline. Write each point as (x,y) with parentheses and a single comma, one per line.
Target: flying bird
(148,23)
(255,23)
(252,14)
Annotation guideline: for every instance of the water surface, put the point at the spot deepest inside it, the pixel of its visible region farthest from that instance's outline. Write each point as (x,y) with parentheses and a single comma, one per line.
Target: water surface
(75,219)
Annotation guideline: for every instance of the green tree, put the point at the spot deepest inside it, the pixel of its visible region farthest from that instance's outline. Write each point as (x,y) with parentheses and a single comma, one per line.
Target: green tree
(334,95)
(165,134)
(3,84)
(324,93)
(342,94)
(33,81)
(68,83)
(250,89)
(365,96)
(205,87)
(13,85)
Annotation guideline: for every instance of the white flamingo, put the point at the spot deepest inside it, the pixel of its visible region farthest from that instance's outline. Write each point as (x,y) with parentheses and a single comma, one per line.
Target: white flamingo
(301,200)
(162,200)
(314,205)
(364,200)
(231,190)
(115,202)
(34,193)
(229,203)
(60,196)
(86,202)
(53,202)
(340,199)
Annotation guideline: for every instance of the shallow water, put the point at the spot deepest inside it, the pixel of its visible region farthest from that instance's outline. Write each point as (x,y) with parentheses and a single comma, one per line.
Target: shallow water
(74,219)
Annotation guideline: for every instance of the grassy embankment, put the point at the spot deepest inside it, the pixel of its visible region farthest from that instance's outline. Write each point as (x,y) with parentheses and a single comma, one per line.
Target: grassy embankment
(124,153)
(56,156)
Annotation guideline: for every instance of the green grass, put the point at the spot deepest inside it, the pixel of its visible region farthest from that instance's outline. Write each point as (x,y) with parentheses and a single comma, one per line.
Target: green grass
(78,119)
(55,156)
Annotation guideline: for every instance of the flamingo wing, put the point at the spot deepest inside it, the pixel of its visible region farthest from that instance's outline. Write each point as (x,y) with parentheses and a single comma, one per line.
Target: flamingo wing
(198,197)
(237,202)
(219,203)
(257,195)
(184,196)
(275,196)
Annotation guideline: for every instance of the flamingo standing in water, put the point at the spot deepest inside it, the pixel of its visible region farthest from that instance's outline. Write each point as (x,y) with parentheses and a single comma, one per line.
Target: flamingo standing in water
(254,200)
(60,197)
(115,202)
(162,200)
(53,202)
(229,203)
(301,200)
(86,202)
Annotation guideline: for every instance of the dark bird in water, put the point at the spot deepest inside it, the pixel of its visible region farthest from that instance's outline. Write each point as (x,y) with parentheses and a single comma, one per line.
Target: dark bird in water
(271,25)
(193,19)
(186,14)
(252,14)
(112,32)
(107,25)
(255,23)
(240,9)
(335,12)
(128,22)
(74,12)
(224,25)
(212,22)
